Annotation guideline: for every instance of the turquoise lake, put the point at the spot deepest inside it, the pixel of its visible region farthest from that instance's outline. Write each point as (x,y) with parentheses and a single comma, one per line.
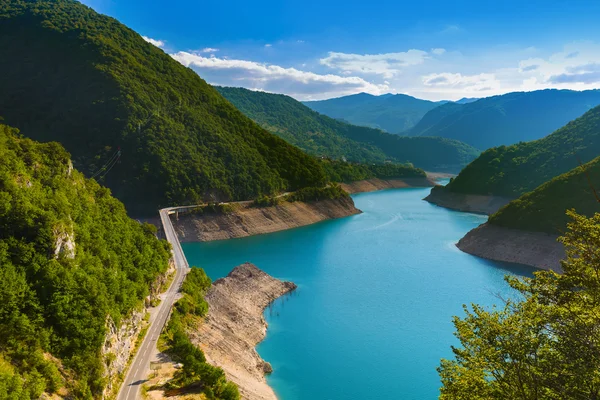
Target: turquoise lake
(372,315)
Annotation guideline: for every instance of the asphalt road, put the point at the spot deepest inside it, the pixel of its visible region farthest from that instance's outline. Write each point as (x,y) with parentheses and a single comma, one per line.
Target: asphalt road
(140,366)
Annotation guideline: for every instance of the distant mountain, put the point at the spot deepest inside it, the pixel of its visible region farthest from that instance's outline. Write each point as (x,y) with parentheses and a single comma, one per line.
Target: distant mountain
(514,170)
(466,100)
(393,113)
(320,135)
(506,119)
(544,209)
(132,117)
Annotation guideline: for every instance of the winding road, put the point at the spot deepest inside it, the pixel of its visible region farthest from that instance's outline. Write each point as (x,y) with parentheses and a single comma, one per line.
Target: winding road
(140,366)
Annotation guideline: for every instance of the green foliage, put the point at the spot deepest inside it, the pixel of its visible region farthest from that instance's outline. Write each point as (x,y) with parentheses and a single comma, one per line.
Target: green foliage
(544,345)
(69,258)
(289,119)
(506,119)
(266,201)
(320,135)
(196,372)
(392,113)
(333,191)
(513,170)
(94,85)
(194,288)
(340,171)
(210,208)
(543,209)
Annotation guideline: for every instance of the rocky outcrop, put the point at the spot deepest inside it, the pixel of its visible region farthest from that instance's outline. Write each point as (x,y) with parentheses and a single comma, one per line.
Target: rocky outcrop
(536,249)
(120,342)
(372,185)
(474,203)
(247,220)
(118,346)
(64,239)
(235,325)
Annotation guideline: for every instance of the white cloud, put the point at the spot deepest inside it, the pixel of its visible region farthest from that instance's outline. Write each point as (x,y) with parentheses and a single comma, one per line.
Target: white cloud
(268,45)
(438,52)
(577,66)
(209,50)
(468,83)
(274,78)
(451,29)
(157,43)
(387,65)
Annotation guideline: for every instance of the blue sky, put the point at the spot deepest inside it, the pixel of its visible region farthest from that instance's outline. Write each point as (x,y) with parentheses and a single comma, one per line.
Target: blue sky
(428,49)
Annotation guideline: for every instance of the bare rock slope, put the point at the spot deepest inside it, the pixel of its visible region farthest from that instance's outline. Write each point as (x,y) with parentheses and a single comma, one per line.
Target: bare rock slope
(536,249)
(247,220)
(474,203)
(235,325)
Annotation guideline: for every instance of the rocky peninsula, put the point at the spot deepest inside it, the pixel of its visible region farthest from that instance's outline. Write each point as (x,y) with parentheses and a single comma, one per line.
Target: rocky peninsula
(235,325)
(536,249)
(475,203)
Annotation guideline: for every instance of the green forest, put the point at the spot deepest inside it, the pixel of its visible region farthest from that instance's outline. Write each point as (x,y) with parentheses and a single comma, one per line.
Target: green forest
(69,257)
(514,170)
(541,343)
(320,135)
(138,121)
(346,172)
(543,209)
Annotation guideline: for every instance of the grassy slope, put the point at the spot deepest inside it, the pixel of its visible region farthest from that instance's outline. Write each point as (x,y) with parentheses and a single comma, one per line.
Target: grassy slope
(507,119)
(513,170)
(320,135)
(544,208)
(83,79)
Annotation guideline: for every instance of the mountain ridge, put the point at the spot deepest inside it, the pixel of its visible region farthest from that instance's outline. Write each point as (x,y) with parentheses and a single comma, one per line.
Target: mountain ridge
(321,135)
(393,113)
(507,119)
(100,89)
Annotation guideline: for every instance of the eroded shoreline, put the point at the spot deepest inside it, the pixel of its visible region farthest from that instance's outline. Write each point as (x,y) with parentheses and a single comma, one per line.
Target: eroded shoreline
(235,324)
(247,220)
(474,203)
(535,249)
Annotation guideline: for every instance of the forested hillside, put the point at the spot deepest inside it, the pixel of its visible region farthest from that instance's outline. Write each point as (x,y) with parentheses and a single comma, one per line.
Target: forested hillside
(340,171)
(507,119)
(544,209)
(130,115)
(513,170)
(69,258)
(320,135)
(393,113)
(289,119)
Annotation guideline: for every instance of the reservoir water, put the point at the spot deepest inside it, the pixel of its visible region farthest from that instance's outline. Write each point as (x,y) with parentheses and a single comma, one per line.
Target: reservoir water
(372,315)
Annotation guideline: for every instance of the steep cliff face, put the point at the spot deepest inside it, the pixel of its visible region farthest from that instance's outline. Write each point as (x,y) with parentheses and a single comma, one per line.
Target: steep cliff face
(247,220)
(121,341)
(474,203)
(372,185)
(536,249)
(118,346)
(235,325)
